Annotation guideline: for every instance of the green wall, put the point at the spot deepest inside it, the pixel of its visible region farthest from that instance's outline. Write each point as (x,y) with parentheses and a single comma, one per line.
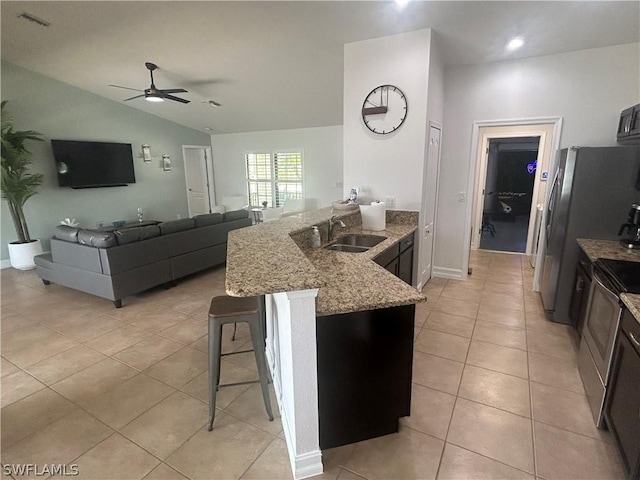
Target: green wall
(61,111)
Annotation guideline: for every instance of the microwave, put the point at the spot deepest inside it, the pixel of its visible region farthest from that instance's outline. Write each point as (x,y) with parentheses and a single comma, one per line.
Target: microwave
(629,125)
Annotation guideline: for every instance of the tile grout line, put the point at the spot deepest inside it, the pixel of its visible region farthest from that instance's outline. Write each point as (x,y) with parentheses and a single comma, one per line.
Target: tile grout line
(533,436)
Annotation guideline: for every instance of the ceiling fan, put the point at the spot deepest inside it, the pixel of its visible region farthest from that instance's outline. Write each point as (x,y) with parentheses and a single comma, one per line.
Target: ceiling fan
(153,93)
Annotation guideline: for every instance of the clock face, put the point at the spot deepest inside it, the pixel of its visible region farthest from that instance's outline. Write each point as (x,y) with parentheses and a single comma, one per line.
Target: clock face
(384,109)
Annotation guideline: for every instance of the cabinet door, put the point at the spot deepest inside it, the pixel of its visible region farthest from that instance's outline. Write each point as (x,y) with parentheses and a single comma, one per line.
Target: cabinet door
(622,410)
(405,266)
(393,266)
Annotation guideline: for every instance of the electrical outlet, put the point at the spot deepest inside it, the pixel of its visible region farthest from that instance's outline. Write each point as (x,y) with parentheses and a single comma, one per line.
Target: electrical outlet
(390,201)
(179,216)
(462,197)
(339,184)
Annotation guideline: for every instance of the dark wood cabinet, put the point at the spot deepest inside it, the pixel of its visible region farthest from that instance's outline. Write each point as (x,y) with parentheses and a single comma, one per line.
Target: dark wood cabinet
(580,295)
(405,266)
(365,362)
(398,259)
(629,124)
(622,404)
(392,266)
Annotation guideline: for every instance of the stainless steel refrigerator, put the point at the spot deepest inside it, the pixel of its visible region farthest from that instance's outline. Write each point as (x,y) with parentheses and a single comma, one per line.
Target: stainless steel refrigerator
(592,191)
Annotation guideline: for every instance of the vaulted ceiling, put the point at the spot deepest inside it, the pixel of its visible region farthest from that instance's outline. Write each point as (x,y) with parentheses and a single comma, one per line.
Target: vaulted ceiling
(278,65)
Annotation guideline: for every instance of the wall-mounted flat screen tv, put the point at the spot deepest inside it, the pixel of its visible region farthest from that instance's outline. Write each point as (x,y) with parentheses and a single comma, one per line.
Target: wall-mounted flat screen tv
(93,164)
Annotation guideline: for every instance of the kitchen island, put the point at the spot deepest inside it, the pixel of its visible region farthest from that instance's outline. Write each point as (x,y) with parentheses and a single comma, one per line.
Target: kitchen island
(333,319)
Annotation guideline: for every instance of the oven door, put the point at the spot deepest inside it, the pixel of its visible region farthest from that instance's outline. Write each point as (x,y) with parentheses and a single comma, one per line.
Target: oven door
(601,324)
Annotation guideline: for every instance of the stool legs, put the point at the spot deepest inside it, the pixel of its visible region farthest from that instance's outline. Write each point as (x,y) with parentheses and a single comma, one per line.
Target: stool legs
(257,337)
(215,353)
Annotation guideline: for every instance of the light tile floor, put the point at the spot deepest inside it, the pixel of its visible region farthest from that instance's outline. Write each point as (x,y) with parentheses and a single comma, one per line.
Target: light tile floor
(122,393)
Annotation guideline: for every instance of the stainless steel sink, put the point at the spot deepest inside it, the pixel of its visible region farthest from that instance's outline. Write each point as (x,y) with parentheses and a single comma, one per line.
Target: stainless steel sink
(360,240)
(346,248)
(355,243)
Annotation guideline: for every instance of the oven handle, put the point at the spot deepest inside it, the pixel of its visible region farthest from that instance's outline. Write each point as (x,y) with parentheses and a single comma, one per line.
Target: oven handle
(599,281)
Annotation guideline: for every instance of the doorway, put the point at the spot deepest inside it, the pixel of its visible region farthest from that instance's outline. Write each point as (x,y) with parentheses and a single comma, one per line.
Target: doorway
(198,172)
(508,193)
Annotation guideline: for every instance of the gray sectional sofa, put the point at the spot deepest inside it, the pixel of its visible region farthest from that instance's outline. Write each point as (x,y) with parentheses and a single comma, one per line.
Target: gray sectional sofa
(122,262)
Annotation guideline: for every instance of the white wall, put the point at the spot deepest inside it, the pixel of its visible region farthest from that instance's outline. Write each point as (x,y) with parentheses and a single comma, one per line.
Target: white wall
(390,164)
(322,160)
(61,111)
(588,88)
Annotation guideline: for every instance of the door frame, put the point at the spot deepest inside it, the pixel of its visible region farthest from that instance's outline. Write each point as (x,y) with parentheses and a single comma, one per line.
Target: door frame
(481,176)
(422,277)
(208,162)
(471,186)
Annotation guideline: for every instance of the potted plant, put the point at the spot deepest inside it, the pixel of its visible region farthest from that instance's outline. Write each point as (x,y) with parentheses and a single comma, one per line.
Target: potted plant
(19,185)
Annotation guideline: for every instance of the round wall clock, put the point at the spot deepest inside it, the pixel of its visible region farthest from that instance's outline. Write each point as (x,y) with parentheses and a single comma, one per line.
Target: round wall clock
(384,109)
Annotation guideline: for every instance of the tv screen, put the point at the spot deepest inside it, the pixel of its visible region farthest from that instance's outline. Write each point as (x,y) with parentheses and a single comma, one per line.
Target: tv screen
(93,164)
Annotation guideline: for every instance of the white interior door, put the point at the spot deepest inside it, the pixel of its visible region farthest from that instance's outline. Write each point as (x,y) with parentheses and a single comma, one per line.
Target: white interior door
(429,203)
(198,179)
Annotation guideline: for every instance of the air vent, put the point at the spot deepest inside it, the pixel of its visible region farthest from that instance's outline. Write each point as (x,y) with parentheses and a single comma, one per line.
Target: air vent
(34,19)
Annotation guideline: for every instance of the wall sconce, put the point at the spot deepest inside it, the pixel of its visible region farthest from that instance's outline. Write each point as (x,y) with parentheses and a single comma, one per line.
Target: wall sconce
(146,153)
(166,163)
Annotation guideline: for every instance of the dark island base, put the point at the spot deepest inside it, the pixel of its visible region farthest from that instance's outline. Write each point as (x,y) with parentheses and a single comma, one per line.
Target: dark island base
(364,373)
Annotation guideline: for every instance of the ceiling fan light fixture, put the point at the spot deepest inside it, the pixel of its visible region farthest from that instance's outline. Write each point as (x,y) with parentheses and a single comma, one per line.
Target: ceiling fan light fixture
(153,97)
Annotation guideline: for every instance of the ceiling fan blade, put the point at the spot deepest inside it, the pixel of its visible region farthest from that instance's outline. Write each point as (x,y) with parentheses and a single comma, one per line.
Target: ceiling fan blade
(137,96)
(177,99)
(174,90)
(127,88)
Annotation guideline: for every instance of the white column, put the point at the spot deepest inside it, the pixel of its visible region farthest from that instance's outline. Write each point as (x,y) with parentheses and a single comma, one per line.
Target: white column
(292,356)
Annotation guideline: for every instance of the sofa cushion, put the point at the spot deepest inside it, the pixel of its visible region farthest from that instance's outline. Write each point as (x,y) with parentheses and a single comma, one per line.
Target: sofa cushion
(95,238)
(207,219)
(66,233)
(173,226)
(235,215)
(136,234)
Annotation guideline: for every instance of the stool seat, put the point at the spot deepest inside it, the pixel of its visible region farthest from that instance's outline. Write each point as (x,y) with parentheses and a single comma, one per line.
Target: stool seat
(223,310)
(226,306)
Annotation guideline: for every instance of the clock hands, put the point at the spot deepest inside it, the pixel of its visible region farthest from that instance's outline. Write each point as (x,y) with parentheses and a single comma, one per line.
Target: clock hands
(384,110)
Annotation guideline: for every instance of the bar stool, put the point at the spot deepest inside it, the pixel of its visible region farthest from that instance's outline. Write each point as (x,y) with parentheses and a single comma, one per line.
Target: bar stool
(225,309)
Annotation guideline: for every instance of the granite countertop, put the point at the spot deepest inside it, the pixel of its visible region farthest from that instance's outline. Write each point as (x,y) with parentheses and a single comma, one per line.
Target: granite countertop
(276,257)
(632,302)
(608,249)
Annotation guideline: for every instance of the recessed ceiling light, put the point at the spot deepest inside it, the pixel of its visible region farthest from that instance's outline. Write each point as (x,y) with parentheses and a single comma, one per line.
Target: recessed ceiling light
(515,43)
(208,129)
(401,3)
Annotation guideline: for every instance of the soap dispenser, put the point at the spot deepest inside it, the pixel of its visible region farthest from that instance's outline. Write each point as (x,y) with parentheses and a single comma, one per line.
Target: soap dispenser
(316,239)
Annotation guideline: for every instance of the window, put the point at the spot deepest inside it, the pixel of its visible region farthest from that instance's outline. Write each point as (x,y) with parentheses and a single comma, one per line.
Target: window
(273,177)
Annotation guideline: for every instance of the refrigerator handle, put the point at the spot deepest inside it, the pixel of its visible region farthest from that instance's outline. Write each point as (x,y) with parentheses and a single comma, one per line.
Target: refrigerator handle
(551,207)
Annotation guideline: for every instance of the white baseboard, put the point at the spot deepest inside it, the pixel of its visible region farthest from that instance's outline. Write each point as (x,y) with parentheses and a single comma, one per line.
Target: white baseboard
(443,272)
(5,264)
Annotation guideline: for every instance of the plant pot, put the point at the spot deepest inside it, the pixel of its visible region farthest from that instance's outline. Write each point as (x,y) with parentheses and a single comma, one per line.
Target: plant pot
(21,254)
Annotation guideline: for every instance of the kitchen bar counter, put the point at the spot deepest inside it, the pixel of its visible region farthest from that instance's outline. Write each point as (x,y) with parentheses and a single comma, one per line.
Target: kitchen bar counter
(608,249)
(276,257)
(339,329)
